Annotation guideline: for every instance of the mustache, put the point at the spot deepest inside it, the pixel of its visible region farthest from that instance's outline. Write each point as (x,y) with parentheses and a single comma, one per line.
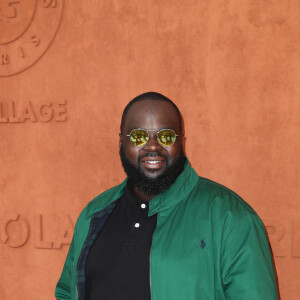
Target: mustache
(152,154)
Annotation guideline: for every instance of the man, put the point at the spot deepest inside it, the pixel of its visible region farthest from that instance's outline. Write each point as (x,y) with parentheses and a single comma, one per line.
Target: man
(165,233)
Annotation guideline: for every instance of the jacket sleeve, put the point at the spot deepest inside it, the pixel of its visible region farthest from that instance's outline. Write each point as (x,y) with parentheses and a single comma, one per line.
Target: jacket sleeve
(247,265)
(64,285)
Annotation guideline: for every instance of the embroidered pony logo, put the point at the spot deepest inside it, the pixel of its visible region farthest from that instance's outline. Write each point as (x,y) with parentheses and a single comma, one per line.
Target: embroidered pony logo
(203,244)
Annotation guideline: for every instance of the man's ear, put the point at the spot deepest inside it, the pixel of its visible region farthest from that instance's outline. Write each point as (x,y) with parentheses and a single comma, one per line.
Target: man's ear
(120,140)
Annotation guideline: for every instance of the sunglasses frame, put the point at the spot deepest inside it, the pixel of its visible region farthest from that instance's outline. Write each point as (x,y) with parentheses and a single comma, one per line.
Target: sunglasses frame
(157,132)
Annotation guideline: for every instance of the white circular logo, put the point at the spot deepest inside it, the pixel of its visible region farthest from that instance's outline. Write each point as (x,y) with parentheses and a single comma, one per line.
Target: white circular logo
(27,28)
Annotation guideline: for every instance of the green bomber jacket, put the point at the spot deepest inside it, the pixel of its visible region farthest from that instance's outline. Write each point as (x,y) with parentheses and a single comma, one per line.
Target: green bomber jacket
(208,244)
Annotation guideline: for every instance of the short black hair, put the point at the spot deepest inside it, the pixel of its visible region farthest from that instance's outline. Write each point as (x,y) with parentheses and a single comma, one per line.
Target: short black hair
(149,96)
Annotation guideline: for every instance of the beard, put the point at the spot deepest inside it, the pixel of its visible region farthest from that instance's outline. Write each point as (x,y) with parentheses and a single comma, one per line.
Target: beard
(157,185)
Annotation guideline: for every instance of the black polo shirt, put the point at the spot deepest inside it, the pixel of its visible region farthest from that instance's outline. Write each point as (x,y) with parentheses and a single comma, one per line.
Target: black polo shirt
(118,265)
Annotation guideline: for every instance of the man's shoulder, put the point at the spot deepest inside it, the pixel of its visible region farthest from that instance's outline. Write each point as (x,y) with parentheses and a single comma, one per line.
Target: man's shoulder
(102,201)
(220,197)
(221,206)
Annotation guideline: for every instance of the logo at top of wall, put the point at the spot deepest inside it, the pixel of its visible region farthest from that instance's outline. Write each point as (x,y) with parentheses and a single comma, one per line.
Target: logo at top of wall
(27,29)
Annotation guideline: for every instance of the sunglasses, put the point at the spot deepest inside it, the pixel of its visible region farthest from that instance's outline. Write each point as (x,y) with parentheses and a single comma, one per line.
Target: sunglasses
(165,137)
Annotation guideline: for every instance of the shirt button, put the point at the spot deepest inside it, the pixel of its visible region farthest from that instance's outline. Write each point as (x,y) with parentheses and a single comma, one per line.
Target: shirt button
(143,205)
(137,225)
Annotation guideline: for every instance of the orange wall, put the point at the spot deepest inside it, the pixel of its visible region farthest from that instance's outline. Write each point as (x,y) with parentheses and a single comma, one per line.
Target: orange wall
(68,69)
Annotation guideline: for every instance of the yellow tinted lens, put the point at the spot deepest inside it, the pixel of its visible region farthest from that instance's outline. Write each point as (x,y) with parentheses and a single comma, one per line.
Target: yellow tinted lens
(139,137)
(166,137)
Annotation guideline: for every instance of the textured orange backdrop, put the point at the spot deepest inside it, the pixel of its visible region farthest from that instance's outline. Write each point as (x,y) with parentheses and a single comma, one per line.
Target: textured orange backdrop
(233,68)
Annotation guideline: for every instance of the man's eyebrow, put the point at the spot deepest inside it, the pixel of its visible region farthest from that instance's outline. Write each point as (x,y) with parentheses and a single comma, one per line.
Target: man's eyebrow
(163,127)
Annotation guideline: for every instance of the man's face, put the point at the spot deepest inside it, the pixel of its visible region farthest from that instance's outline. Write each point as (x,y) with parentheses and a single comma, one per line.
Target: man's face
(152,164)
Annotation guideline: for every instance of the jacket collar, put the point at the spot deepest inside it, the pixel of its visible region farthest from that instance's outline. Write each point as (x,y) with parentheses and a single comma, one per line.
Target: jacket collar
(106,198)
(176,193)
(183,185)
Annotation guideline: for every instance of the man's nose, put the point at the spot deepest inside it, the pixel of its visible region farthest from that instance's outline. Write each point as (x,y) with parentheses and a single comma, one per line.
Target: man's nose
(153,144)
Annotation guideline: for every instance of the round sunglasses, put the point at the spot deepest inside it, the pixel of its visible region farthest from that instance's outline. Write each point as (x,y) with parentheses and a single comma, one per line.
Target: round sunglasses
(139,136)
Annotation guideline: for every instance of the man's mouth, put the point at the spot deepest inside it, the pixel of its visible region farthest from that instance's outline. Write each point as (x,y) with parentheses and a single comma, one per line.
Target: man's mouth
(153,163)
